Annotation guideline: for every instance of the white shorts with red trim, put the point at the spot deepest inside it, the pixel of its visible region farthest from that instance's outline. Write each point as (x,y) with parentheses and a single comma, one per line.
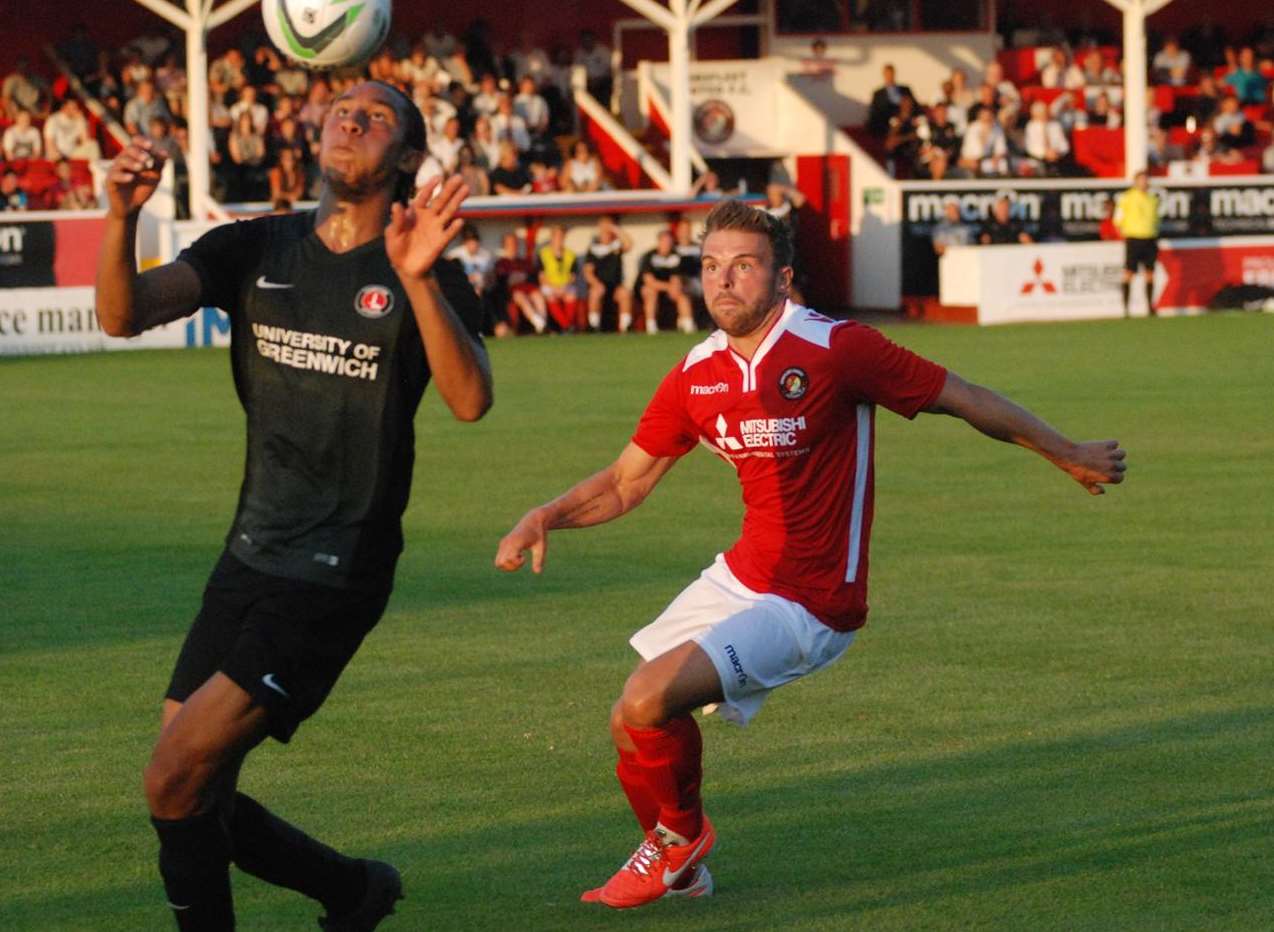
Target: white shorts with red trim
(757,641)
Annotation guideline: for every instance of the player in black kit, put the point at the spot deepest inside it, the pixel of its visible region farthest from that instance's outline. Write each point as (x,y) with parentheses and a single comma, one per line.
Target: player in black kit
(339,318)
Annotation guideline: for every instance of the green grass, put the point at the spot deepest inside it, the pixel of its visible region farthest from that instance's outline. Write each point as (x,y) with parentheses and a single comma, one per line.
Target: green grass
(1061,715)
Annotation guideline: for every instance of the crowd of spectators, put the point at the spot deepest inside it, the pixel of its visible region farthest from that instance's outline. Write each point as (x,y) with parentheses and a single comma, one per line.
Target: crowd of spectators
(1205,109)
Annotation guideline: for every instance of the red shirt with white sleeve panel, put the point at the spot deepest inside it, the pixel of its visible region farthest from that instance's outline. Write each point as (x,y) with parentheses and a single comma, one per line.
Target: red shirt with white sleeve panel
(797,423)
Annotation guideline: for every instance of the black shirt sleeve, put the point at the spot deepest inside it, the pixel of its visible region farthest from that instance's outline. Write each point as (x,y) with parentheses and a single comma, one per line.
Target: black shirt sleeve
(459,293)
(219,258)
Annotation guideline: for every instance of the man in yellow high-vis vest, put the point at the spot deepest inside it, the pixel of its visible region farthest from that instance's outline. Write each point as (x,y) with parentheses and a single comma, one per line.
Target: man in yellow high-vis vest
(1137,217)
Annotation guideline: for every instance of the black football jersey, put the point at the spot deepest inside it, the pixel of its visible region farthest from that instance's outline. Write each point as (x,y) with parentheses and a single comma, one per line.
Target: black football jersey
(329,367)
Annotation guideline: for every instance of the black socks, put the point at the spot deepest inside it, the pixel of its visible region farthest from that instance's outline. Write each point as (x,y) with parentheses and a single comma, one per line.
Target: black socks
(194,861)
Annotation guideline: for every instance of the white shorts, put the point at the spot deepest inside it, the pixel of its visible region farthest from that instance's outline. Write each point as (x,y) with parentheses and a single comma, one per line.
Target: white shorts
(756,641)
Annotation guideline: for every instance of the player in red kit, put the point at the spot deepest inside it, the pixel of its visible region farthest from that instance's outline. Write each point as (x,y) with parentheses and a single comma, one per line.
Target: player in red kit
(788,397)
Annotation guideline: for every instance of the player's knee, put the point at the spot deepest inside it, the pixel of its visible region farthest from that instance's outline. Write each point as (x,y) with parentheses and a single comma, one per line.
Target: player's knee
(173,783)
(644,703)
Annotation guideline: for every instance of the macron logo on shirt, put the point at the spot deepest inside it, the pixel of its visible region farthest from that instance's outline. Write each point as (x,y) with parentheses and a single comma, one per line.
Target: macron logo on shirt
(709,389)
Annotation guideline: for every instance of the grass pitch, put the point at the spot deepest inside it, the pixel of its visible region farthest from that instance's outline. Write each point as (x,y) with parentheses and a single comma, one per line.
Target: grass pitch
(1058,717)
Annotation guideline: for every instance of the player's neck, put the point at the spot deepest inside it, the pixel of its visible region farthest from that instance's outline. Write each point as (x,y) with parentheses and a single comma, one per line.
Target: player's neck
(344,224)
(746,344)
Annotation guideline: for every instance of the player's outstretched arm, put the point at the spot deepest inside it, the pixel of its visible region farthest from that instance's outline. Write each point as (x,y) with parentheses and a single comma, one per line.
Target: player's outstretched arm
(1092,463)
(128,303)
(416,236)
(603,496)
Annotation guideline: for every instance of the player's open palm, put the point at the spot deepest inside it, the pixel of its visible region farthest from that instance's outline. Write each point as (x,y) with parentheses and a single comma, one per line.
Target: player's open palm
(528,534)
(1095,463)
(418,233)
(133,177)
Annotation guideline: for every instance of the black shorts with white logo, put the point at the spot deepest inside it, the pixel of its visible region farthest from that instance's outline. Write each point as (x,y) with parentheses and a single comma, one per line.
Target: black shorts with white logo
(283,641)
(1140,252)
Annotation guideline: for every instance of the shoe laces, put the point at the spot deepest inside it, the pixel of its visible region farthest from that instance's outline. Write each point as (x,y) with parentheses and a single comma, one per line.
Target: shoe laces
(645,857)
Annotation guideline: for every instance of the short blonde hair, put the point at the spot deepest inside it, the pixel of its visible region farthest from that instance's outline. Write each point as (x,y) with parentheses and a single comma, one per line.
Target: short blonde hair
(733,214)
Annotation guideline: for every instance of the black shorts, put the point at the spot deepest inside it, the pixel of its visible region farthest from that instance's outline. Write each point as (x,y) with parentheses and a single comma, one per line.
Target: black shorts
(283,641)
(1143,252)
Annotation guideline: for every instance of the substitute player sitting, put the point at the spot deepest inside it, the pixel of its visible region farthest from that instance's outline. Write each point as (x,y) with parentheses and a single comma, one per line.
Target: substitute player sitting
(339,319)
(788,398)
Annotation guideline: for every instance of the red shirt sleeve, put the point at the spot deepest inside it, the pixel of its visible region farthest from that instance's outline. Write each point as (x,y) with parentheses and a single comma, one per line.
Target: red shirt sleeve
(878,370)
(665,428)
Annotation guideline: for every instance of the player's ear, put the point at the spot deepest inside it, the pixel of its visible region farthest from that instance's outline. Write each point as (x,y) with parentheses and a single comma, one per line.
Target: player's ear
(785,279)
(409,160)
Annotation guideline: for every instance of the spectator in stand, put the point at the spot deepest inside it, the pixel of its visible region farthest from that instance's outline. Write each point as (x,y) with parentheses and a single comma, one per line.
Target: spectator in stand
(533,109)
(951,230)
(595,57)
(134,71)
(262,68)
(658,278)
(529,59)
(226,75)
(103,82)
(21,141)
(249,103)
(163,142)
(1267,159)
(1208,151)
(487,101)
(317,101)
(66,134)
(604,274)
(474,175)
(486,148)
(516,281)
(383,66)
(23,89)
(958,115)
(962,95)
(446,147)
(1233,130)
(583,171)
(1246,79)
(708,185)
(456,65)
(246,147)
(1096,72)
(508,126)
(12,197)
(1200,108)
(985,150)
(1002,227)
(1061,71)
(939,151)
(143,108)
(66,193)
(1007,96)
(691,253)
(543,177)
(1102,113)
(1159,150)
(886,101)
(508,178)
(902,141)
(287,178)
(557,269)
(170,81)
(461,101)
(1045,141)
(477,262)
(986,100)
(436,110)
(418,66)
(1171,64)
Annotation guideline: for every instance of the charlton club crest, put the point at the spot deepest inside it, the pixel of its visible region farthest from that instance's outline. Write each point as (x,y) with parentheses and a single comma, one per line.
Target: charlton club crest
(793,383)
(374,301)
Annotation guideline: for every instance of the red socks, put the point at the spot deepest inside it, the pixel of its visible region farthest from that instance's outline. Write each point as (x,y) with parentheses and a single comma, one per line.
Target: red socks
(668,767)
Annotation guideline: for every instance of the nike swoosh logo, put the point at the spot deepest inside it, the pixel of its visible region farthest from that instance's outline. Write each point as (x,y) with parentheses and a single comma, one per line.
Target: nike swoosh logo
(262,283)
(270,681)
(671,877)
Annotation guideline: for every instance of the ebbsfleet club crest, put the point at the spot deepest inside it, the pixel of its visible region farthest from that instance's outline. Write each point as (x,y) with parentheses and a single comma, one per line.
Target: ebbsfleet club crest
(793,383)
(714,121)
(374,301)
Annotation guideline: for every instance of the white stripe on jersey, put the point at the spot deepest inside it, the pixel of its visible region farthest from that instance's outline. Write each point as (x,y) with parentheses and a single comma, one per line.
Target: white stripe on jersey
(861,465)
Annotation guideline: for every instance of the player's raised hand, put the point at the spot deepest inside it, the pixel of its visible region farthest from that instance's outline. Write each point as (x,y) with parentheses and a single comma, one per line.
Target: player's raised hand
(133,177)
(528,534)
(418,233)
(1094,464)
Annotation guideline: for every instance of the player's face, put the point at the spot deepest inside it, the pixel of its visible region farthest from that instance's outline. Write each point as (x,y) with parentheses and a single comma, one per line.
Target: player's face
(361,145)
(740,284)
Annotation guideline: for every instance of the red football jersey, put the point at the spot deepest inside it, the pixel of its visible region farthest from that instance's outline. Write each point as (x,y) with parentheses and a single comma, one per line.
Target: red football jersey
(796,421)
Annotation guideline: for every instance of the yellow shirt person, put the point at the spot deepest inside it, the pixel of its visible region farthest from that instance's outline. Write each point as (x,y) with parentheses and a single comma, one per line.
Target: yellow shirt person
(1137,217)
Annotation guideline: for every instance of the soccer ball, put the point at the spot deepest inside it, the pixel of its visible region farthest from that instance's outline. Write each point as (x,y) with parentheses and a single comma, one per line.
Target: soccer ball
(326,33)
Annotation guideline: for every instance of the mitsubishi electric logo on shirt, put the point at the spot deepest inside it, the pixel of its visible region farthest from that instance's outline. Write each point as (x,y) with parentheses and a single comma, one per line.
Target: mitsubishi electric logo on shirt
(764,432)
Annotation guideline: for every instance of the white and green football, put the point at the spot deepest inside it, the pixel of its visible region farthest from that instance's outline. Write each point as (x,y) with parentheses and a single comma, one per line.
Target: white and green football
(326,34)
